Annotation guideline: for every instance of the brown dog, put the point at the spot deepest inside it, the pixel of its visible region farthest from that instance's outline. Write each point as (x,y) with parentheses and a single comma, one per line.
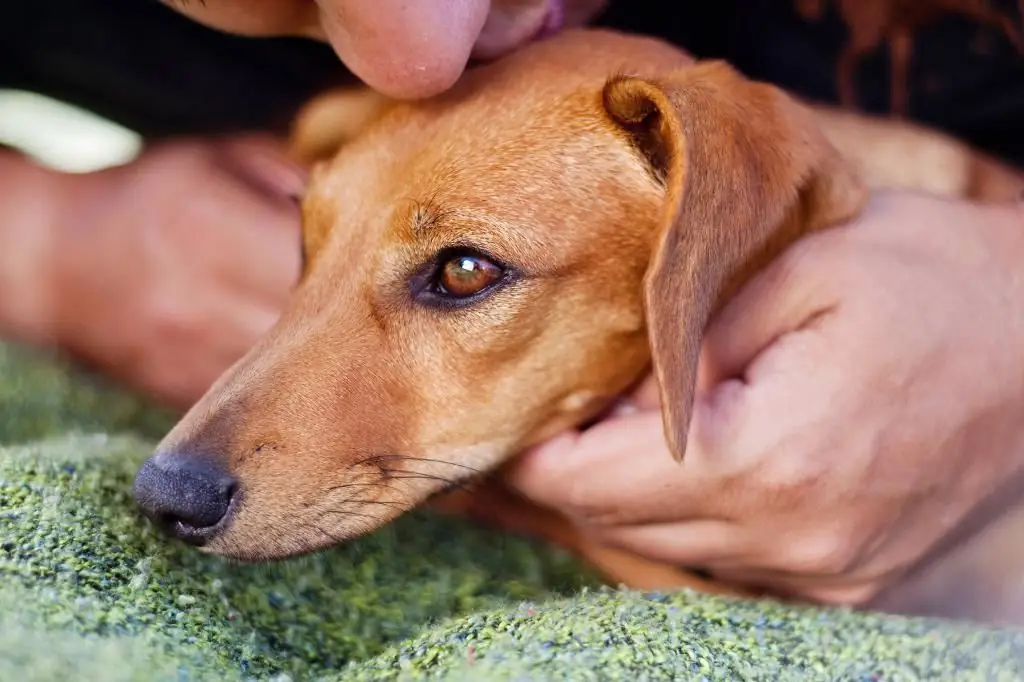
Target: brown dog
(487,268)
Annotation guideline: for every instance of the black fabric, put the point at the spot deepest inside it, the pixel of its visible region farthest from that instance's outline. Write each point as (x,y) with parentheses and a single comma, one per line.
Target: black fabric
(151,69)
(141,64)
(964,78)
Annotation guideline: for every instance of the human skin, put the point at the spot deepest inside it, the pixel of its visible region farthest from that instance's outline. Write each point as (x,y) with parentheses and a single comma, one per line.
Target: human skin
(136,272)
(403,48)
(858,434)
(859,401)
(163,282)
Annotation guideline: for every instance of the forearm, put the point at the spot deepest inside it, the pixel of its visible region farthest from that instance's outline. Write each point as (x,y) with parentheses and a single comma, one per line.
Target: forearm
(29,205)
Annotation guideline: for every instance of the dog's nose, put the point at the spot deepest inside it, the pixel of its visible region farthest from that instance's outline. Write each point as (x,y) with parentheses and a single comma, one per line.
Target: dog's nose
(189,498)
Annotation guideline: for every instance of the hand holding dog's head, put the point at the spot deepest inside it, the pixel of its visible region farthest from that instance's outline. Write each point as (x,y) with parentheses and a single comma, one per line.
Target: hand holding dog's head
(487,268)
(745,172)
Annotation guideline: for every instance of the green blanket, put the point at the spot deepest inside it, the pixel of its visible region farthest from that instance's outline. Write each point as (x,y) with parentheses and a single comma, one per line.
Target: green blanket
(89,592)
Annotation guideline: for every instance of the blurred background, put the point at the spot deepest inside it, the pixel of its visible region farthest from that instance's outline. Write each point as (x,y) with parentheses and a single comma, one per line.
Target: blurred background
(61,135)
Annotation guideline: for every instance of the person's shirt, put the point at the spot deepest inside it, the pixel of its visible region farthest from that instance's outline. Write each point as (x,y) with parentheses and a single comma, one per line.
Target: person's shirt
(963,76)
(141,64)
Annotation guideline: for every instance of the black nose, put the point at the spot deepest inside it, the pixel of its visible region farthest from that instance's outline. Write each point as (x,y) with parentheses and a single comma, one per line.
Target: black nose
(189,498)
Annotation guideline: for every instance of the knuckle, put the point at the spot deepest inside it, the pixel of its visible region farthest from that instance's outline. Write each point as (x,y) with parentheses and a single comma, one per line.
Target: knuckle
(825,554)
(171,321)
(794,264)
(830,257)
(790,476)
(817,253)
(853,597)
(588,506)
(582,506)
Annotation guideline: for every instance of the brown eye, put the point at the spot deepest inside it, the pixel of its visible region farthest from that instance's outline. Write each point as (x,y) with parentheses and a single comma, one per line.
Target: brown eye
(459,276)
(467,274)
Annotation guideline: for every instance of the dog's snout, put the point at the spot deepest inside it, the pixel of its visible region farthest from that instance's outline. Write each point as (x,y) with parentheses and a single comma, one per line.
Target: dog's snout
(188,498)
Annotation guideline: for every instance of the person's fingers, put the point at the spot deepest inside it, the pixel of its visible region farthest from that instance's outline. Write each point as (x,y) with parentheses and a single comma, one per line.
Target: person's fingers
(729,552)
(405,49)
(748,441)
(689,543)
(249,196)
(647,396)
(788,295)
(265,258)
(263,161)
(618,471)
(402,48)
(837,591)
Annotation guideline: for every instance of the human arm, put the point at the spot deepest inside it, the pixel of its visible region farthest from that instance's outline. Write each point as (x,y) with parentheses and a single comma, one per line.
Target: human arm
(30,198)
(161,272)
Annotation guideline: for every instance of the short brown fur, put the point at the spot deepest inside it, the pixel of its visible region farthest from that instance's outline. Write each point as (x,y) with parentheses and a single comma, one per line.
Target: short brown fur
(633,190)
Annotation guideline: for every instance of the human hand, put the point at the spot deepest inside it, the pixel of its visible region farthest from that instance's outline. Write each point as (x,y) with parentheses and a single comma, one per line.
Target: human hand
(401,48)
(168,269)
(858,403)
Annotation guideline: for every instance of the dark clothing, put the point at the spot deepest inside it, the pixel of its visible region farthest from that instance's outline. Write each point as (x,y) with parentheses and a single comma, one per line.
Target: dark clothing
(139,63)
(964,78)
(157,72)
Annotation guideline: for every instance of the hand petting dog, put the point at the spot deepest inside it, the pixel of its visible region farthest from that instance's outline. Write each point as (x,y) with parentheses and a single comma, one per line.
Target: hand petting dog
(860,400)
(406,49)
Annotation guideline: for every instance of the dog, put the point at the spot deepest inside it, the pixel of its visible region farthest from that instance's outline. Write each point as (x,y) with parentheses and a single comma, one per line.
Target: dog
(499,263)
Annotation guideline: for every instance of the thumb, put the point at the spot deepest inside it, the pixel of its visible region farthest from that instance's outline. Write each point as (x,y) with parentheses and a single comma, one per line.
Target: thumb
(785,297)
(405,49)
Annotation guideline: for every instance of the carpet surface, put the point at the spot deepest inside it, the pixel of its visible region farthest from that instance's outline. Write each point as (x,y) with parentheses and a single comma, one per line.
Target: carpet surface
(89,592)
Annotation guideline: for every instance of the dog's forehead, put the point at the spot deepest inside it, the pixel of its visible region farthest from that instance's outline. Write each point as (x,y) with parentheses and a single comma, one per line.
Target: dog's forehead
(527,142)
(516,152)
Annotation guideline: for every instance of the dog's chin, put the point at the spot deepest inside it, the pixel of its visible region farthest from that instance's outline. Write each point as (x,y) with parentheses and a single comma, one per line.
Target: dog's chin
(247,556)
(265,553)
(287,540)
(252,536)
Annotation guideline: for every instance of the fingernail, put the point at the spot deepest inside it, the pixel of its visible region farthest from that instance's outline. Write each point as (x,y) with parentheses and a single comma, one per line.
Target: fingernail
(282,176)
(269,171)
(624,408)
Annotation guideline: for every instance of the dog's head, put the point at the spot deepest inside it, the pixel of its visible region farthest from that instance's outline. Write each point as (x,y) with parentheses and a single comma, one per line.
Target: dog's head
(487,268)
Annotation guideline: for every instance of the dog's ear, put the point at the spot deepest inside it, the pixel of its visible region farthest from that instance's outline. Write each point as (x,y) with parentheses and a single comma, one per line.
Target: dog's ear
(333,118)
(745,172)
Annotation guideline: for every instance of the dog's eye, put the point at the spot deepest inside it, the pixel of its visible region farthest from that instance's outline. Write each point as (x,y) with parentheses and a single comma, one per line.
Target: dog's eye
(467,274)
(458,277)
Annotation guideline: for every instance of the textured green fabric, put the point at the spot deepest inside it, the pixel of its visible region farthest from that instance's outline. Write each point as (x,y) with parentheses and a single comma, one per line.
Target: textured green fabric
(90,593)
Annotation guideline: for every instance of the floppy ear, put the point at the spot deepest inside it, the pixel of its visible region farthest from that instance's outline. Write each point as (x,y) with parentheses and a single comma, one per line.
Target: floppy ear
(745,172)
(330,120)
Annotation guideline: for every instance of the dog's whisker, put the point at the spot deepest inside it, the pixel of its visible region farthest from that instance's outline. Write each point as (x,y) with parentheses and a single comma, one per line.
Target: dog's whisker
(450,484)
(407,458)
(363,500)
(403,475)
(386,503)
(369,459)
(335,488)
(341,512)
(400,495)
(329,536)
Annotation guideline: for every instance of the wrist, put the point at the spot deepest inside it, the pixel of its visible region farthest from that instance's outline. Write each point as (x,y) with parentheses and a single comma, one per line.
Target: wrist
(30,203)
(44,261)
